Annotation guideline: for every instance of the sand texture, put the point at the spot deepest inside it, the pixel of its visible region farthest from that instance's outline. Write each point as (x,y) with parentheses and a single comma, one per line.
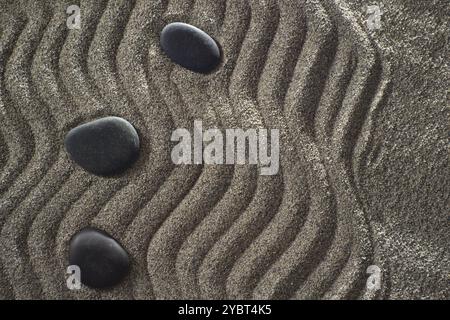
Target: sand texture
(364,165)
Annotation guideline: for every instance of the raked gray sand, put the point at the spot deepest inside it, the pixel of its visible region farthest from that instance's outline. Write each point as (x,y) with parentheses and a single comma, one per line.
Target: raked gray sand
(363,118)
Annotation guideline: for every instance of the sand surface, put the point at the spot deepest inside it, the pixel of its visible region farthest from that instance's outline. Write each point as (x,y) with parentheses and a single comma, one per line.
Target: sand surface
(364,176)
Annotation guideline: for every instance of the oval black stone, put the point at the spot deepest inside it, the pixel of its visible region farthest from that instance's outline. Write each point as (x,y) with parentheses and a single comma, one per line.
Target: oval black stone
(102,261)
(190,47)
(104,147)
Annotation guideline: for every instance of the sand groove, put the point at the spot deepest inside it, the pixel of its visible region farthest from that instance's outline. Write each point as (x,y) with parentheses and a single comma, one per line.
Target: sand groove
(209,232)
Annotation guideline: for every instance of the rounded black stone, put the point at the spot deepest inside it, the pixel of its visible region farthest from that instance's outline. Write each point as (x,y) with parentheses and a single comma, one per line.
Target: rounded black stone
(102,261)
(104,147)
(190,47)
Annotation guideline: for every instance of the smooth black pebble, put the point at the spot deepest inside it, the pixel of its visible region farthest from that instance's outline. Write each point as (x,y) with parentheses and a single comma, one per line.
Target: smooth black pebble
(190,47)
(102,261)
(104,147)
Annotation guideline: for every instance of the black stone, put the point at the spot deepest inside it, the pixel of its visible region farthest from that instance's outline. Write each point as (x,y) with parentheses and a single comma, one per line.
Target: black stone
(190,47)
(102,261)
(104,147)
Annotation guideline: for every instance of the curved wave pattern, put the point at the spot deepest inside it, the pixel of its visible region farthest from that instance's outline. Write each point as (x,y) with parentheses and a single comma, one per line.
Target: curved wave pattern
(193,232)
